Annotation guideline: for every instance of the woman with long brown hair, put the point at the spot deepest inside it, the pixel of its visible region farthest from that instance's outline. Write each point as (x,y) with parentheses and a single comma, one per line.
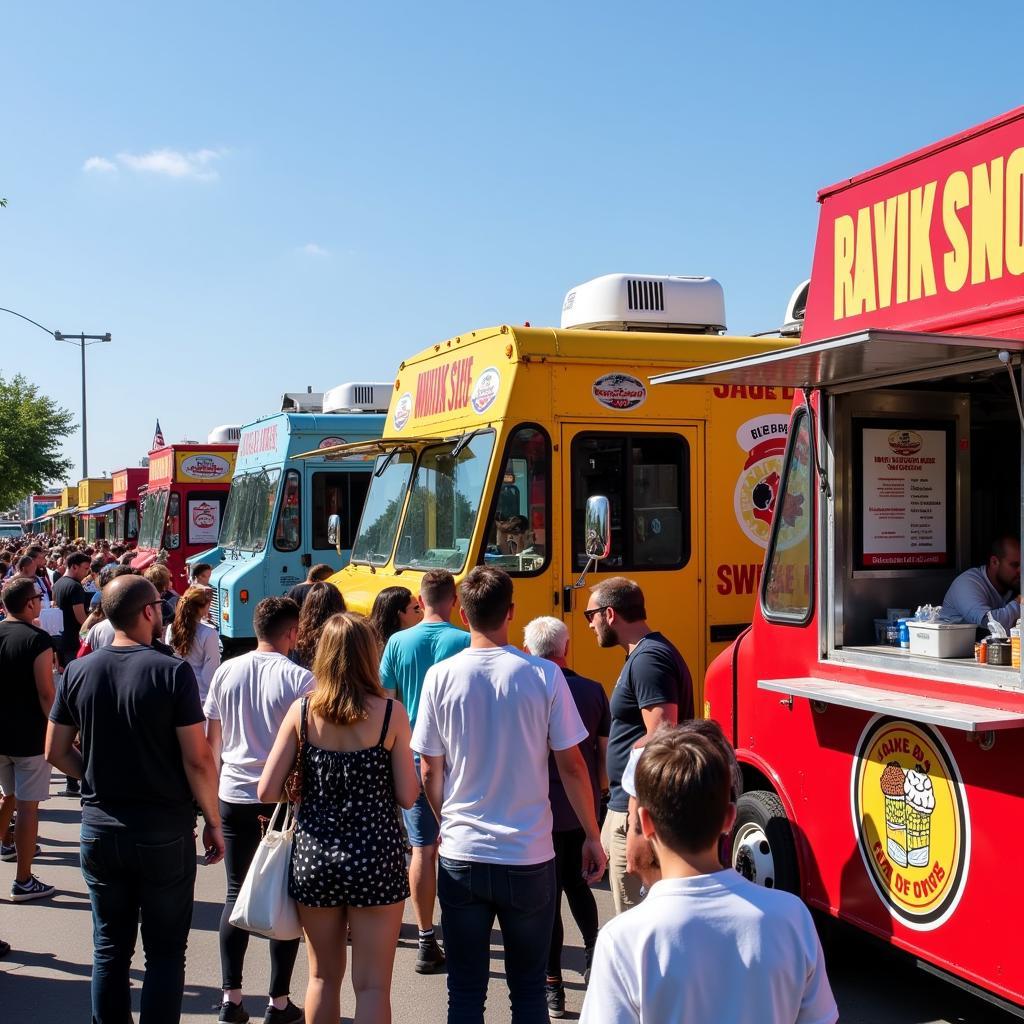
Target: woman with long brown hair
(395,608)
(348,862)
(321,602)
(193,639)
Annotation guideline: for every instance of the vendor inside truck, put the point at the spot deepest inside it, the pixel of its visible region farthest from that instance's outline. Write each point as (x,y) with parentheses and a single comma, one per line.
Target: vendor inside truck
(993,588)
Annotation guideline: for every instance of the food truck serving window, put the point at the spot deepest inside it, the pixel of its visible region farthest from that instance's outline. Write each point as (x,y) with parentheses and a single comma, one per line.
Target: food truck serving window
(786,589)
(646,478)
(444,503)
(517,538)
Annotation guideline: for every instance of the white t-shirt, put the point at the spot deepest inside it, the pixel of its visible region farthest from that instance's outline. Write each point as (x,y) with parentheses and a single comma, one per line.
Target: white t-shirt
(203,656)
(100,635)
(710,948)
(494,713)
(250,695)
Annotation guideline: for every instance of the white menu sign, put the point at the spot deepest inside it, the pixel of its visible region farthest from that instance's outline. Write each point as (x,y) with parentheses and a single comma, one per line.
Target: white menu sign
(904,497)
(203,522)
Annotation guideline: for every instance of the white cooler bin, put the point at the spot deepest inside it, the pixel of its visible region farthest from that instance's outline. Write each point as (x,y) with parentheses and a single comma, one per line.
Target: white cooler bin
(942,639)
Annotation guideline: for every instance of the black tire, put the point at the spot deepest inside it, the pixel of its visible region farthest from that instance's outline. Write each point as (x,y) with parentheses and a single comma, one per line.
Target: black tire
(761,810)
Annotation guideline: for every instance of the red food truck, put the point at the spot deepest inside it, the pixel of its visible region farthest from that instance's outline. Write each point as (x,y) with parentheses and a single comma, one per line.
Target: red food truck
(185,498)
(121,514)
(884,783)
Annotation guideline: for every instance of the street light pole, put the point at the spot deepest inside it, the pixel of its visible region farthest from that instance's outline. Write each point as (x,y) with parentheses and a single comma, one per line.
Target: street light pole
(75,339)
(82,340)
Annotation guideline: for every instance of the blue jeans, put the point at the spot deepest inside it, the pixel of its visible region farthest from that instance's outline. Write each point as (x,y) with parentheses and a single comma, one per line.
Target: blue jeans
(522,897)
(133,874)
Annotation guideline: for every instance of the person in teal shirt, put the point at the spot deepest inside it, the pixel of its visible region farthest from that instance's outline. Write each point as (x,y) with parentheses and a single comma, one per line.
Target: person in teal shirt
(403,665)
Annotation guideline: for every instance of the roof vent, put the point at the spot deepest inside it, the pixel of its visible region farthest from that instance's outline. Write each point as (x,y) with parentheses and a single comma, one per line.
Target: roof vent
(302,401)
(793,322)
(359,397)
(229,433)
(646,302)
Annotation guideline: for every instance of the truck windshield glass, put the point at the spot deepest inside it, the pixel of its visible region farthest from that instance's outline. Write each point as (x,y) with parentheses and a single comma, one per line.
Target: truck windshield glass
(383,508)
(152,531)
(251,504)
(444,502)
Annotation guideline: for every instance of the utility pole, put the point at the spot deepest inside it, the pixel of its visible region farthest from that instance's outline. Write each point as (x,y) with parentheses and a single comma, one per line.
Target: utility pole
(82,340)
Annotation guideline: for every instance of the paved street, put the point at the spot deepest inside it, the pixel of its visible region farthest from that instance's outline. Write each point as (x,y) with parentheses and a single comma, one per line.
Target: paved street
(46,976)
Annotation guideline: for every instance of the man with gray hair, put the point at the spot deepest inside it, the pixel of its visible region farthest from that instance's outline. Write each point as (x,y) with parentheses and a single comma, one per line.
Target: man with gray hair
(548,637)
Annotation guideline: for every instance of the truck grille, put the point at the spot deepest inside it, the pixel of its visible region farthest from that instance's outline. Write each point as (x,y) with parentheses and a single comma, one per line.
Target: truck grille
(215,608)
(646,295)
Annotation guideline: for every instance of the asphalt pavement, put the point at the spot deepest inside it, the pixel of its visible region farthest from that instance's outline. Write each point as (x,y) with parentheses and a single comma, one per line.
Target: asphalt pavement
(45,978)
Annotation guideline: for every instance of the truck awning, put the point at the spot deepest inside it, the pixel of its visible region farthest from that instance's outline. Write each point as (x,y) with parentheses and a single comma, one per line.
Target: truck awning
(855,361)
(102,510)
(371,449)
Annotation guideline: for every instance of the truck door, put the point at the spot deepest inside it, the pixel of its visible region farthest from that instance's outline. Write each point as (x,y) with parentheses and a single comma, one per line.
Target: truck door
(653,478)
(342,493)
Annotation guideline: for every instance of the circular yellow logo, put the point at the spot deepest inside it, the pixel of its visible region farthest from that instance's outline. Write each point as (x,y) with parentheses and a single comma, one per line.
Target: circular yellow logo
(911,819)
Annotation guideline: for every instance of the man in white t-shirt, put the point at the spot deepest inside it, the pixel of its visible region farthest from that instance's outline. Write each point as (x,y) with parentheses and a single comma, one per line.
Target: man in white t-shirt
(487,719)
(706,944)
(248,700)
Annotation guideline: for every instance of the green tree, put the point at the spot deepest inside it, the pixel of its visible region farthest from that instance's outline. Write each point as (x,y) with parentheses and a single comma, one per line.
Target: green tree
(32,428)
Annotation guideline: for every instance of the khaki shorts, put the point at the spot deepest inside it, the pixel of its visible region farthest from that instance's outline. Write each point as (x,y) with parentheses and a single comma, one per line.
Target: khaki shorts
(27,778)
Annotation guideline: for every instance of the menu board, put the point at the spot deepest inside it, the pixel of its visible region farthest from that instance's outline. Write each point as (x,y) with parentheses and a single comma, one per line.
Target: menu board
(203,522)
(904,506)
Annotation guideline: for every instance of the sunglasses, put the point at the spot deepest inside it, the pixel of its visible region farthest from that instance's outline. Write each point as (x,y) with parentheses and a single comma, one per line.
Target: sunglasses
(591,612)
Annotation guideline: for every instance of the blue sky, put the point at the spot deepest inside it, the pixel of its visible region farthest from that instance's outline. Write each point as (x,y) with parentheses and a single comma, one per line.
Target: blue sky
(257,197)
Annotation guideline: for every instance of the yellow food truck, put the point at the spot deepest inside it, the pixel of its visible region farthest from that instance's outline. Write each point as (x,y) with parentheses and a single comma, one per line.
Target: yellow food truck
(495,440)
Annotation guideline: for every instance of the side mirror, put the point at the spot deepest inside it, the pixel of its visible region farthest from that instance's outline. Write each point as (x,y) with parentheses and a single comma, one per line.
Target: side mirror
(597,528)
(334,532)
(597,535)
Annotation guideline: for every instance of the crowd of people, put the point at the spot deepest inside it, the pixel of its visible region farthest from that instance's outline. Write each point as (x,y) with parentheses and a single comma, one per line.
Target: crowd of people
(425,762)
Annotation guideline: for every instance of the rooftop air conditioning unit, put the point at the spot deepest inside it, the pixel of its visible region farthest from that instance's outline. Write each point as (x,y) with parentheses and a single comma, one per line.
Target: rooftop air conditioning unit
(361,397)
(228,433)
(635,302)
(302,401)
(793,322)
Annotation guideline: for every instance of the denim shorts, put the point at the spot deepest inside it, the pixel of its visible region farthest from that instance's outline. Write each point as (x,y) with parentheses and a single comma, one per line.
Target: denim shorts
(420,823)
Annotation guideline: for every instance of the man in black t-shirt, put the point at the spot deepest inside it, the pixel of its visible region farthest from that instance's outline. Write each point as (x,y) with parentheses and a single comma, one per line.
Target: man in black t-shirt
(653,687)
(144,757)
(73,600)
(26,696)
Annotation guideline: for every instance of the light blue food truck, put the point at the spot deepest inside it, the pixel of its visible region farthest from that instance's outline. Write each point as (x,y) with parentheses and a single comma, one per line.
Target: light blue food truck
(278,508)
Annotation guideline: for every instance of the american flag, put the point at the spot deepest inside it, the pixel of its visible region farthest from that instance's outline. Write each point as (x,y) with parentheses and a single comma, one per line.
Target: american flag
(158,438)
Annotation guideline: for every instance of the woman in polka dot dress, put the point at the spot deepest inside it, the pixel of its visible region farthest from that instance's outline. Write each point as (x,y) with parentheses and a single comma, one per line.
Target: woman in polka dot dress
(348,860)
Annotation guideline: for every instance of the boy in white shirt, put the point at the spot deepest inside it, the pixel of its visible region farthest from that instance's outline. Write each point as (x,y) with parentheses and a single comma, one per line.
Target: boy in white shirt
(706,944)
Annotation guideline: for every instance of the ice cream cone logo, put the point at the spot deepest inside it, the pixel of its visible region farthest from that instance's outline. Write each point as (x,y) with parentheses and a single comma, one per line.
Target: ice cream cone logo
(920,794)
(911,818)
(892,783)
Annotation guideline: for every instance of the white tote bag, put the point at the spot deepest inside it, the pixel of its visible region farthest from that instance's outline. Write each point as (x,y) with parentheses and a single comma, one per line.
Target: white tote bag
(52,620)
(263,905)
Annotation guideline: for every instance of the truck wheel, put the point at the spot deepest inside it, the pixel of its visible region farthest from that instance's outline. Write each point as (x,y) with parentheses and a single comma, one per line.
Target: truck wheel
(763,850)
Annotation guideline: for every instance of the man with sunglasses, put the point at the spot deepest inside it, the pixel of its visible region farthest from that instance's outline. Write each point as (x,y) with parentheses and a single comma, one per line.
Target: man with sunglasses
(26,686)
(654,687)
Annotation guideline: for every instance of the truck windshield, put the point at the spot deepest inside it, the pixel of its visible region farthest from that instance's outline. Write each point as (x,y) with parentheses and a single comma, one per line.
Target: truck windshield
(152,532)
(444,502)
(383,508)
(251,503)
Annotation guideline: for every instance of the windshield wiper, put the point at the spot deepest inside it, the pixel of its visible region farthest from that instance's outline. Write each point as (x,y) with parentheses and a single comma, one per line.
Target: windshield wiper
(379,472)
(463,441)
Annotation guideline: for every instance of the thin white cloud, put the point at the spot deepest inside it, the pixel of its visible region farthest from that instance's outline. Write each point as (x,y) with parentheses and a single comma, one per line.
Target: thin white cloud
(99,164)
(174,164)
(198,164)
(312,249)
